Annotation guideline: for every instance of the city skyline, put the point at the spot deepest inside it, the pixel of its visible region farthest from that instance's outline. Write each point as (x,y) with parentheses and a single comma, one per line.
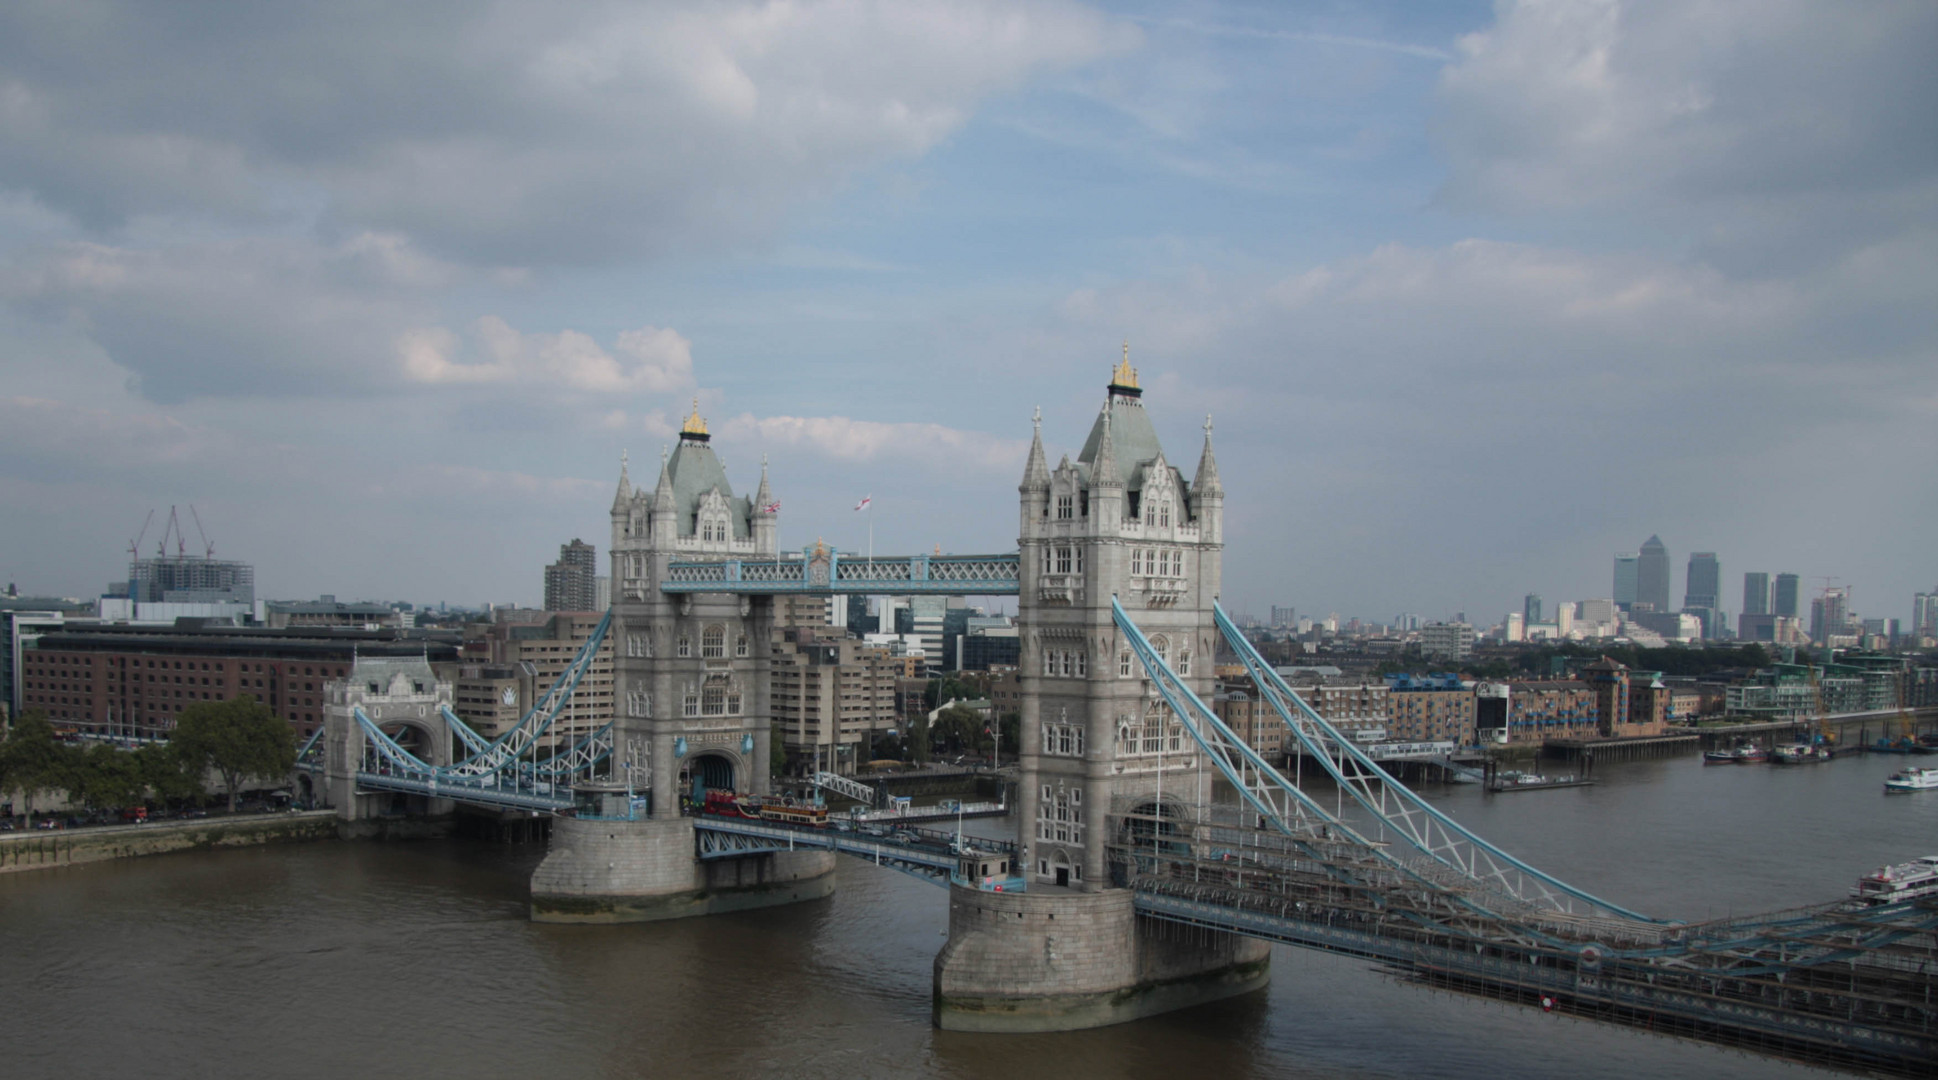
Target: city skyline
(1438,340)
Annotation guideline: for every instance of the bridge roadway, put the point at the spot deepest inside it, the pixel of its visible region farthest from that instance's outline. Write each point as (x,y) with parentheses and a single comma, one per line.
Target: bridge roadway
(930,854)
(1836,984)
(825,572)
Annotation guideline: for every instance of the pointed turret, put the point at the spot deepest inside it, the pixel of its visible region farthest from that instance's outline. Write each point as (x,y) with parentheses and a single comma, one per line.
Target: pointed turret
(1103,467)
(1206,482)
(764,495)
(625,493)
(1036,471)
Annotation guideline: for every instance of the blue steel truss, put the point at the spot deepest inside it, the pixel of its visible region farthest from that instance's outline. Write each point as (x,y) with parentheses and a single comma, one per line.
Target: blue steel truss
(498,772)
(923,853)
(1392,805)
(827,572)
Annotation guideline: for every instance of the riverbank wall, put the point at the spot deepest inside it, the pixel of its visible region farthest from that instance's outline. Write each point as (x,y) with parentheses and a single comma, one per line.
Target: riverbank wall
(50,848)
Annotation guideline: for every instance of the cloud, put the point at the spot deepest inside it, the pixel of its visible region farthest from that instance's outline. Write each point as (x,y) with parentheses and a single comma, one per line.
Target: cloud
(646,360)
(507,134)
(266,316)
(848,440)
(1797,123)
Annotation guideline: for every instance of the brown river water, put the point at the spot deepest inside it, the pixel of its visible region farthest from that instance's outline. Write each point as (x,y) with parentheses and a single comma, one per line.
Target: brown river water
(349,960)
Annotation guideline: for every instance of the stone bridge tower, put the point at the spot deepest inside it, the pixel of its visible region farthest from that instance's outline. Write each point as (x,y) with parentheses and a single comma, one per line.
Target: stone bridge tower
(690,672)
(1069,952)
(690,697)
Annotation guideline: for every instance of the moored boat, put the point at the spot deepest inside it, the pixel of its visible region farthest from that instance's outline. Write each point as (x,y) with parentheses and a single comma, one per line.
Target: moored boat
(1912,779)
(1800,754)
(1895,884)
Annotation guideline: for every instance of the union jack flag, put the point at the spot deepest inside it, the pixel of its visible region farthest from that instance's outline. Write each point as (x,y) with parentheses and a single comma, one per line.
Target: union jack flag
(771,508)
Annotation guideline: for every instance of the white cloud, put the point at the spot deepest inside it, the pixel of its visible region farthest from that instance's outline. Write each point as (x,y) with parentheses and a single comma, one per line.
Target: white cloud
(1744,121)
(848,440)
(647,360)
(509,134)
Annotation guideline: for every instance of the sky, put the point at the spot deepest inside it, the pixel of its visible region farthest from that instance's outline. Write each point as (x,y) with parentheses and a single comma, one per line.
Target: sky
(1475,295)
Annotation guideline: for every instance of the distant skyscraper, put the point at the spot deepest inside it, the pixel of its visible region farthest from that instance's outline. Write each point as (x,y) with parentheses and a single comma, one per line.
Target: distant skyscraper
(1786,595)
(1702,591)
(1756,593)
(1830,613)
(1284,616)
(1652,575)
(571,584)
(1626,565)
(1924,613)
(1531,609)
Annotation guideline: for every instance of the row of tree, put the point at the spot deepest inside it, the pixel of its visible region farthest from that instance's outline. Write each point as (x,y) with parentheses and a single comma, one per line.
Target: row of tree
(237,740)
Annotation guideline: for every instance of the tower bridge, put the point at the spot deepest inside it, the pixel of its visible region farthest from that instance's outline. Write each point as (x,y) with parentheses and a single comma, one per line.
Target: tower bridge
(1156,855)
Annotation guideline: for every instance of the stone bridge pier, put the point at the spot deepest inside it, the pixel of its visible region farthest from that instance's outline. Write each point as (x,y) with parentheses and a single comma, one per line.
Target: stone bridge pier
(401,696)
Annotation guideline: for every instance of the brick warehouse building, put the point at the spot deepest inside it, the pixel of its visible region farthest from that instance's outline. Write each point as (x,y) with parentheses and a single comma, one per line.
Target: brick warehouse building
(134,680)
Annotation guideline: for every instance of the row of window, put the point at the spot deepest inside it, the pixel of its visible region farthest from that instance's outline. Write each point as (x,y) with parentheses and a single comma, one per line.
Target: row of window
(1155,510)
(1063,739)
(1059,815)
(1159,562)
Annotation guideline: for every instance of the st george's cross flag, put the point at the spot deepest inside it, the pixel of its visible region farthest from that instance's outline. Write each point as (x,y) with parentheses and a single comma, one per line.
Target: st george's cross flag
(863,504)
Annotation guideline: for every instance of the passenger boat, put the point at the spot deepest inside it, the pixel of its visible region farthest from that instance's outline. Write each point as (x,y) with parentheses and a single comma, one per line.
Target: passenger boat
(1740,754)
(1894,884)
(1912,779)
(793,812)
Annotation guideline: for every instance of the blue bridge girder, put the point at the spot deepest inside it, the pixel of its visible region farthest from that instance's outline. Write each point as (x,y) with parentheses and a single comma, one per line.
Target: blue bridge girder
(834,573)
(923,853)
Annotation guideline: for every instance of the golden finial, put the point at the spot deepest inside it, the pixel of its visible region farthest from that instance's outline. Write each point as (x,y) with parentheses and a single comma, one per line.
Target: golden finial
(694,424)
(1125,376)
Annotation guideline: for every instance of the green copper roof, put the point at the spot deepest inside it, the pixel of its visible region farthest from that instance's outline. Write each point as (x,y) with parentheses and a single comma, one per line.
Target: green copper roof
(1133,442)
(695,470)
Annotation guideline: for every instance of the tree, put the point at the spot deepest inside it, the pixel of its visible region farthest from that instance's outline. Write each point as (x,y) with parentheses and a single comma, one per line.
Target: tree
(166,775)
(776,751)
(237,738)
(959,727)
(918,737)
(32,761)
(105,776)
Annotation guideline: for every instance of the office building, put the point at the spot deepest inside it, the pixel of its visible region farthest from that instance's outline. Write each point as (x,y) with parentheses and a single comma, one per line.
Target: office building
(1924,614)
(135,680)
(1830,614)
(1626,565)
(1703,590)
(1429,708)
(1784,602)
(189,579)
(548,641)
(1652,575)
(830,696)
(1447,641)
(1756,593)
(1283,617)
(1531,609)
(572,583)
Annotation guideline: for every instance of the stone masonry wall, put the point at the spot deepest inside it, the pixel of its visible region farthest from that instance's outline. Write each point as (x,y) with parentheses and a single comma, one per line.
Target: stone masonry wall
(38,850)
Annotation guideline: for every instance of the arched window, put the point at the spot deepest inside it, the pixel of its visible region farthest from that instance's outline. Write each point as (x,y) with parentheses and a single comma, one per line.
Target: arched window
(1124,664)
(1161,645)
(713,643)
(686,645)
(1184,661)
(740,645)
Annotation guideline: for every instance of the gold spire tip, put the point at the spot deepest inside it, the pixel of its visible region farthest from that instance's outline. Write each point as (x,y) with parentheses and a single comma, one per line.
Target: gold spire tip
(1125,375)
(695,424)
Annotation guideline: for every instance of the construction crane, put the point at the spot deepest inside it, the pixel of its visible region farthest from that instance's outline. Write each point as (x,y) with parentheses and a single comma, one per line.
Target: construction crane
(134,546)
(208,546)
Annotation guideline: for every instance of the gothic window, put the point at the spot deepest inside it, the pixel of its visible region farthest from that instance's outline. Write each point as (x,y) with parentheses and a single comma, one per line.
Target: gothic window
(638,703)
(1083,665)
(690,706)
(635,645)
(713,643)
(1184,661)
(740,645)
(1065,507)
(1063,560)
(1049,663)
(1124,664)
(1161,645)
(1063,663)
(686,645)
(1137,561)
(713,700)
(733,701)
(1078,552)
(1164,512)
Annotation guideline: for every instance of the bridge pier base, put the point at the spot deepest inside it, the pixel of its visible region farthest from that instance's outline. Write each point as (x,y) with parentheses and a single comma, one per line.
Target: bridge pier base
(611,871)
(1058,960)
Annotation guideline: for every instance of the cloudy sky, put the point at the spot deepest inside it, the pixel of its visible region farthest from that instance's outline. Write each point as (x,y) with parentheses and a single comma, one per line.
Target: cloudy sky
(1477,294)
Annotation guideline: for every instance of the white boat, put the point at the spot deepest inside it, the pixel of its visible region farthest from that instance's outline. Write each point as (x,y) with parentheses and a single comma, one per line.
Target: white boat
(1905,881)
(1915,778)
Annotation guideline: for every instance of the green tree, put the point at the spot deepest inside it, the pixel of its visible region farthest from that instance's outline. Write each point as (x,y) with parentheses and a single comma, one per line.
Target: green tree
(237,739)
(918,737)
(776,751)
(959,728)
(32,761)
(166,775)
(1011,725)
(105,776)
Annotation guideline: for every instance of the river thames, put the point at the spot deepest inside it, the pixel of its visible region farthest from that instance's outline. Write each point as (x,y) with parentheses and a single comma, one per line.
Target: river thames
(348,960)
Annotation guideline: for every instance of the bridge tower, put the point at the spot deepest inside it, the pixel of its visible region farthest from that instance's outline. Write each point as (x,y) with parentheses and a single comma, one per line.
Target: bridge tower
(690,694)
(1068,952)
